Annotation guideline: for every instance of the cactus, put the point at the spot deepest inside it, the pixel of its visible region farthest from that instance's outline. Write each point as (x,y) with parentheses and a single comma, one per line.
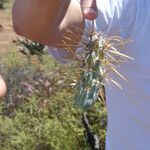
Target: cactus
(100,56)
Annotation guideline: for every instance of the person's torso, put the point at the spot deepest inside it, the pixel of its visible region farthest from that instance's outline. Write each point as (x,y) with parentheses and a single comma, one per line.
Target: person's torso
(129,108)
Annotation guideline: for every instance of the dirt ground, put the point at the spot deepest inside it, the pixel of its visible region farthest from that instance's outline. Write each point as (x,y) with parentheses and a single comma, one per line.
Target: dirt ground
(6,31)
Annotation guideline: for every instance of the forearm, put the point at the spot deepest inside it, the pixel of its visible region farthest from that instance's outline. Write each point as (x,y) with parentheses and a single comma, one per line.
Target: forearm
(45,20)
(32,17)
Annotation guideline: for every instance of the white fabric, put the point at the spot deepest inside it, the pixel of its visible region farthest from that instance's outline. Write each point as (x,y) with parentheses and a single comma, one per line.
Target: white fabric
(129,109)
(59,55)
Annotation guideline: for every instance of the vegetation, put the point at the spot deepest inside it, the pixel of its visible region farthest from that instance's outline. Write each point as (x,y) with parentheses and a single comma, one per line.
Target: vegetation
(38,112)
(2,3)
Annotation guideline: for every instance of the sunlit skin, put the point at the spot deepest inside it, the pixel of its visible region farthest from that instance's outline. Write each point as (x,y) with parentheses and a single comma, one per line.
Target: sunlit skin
(46,21)
(3,88)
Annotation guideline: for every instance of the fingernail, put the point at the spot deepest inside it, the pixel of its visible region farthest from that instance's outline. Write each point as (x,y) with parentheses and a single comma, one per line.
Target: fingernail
(89,11)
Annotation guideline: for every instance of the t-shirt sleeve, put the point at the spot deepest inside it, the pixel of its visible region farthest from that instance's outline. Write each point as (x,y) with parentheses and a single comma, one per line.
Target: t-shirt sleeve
(60,55)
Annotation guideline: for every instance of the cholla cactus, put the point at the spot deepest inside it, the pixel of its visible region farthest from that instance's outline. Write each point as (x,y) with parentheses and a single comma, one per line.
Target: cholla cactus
(100,56)
(91,73)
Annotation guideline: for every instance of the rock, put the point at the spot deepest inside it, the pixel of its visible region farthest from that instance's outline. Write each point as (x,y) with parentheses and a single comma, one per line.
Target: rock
(28,88)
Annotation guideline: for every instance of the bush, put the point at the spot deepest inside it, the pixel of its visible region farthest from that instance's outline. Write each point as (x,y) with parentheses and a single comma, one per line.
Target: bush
(2,2)
(38,112)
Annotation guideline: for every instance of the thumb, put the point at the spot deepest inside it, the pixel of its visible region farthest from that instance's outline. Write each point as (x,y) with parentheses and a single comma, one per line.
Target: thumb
(89,9)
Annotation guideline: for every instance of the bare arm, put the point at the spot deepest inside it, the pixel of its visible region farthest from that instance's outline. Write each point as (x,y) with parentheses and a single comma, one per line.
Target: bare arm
(3,88)
(46,21)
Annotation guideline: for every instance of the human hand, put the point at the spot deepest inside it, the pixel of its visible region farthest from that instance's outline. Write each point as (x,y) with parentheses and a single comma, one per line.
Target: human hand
(89,9)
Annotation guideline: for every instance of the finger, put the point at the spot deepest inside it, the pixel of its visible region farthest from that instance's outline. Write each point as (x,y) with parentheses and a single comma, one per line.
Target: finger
(89,9)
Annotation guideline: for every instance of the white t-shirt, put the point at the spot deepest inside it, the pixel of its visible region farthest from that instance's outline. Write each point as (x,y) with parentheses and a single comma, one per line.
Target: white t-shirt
(129,108)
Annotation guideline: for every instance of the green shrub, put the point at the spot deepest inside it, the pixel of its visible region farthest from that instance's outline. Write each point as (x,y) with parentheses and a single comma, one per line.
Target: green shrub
(2,2)
(38,111)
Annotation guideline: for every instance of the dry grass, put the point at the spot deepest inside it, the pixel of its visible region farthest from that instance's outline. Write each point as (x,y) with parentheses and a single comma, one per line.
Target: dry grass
(6,32)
